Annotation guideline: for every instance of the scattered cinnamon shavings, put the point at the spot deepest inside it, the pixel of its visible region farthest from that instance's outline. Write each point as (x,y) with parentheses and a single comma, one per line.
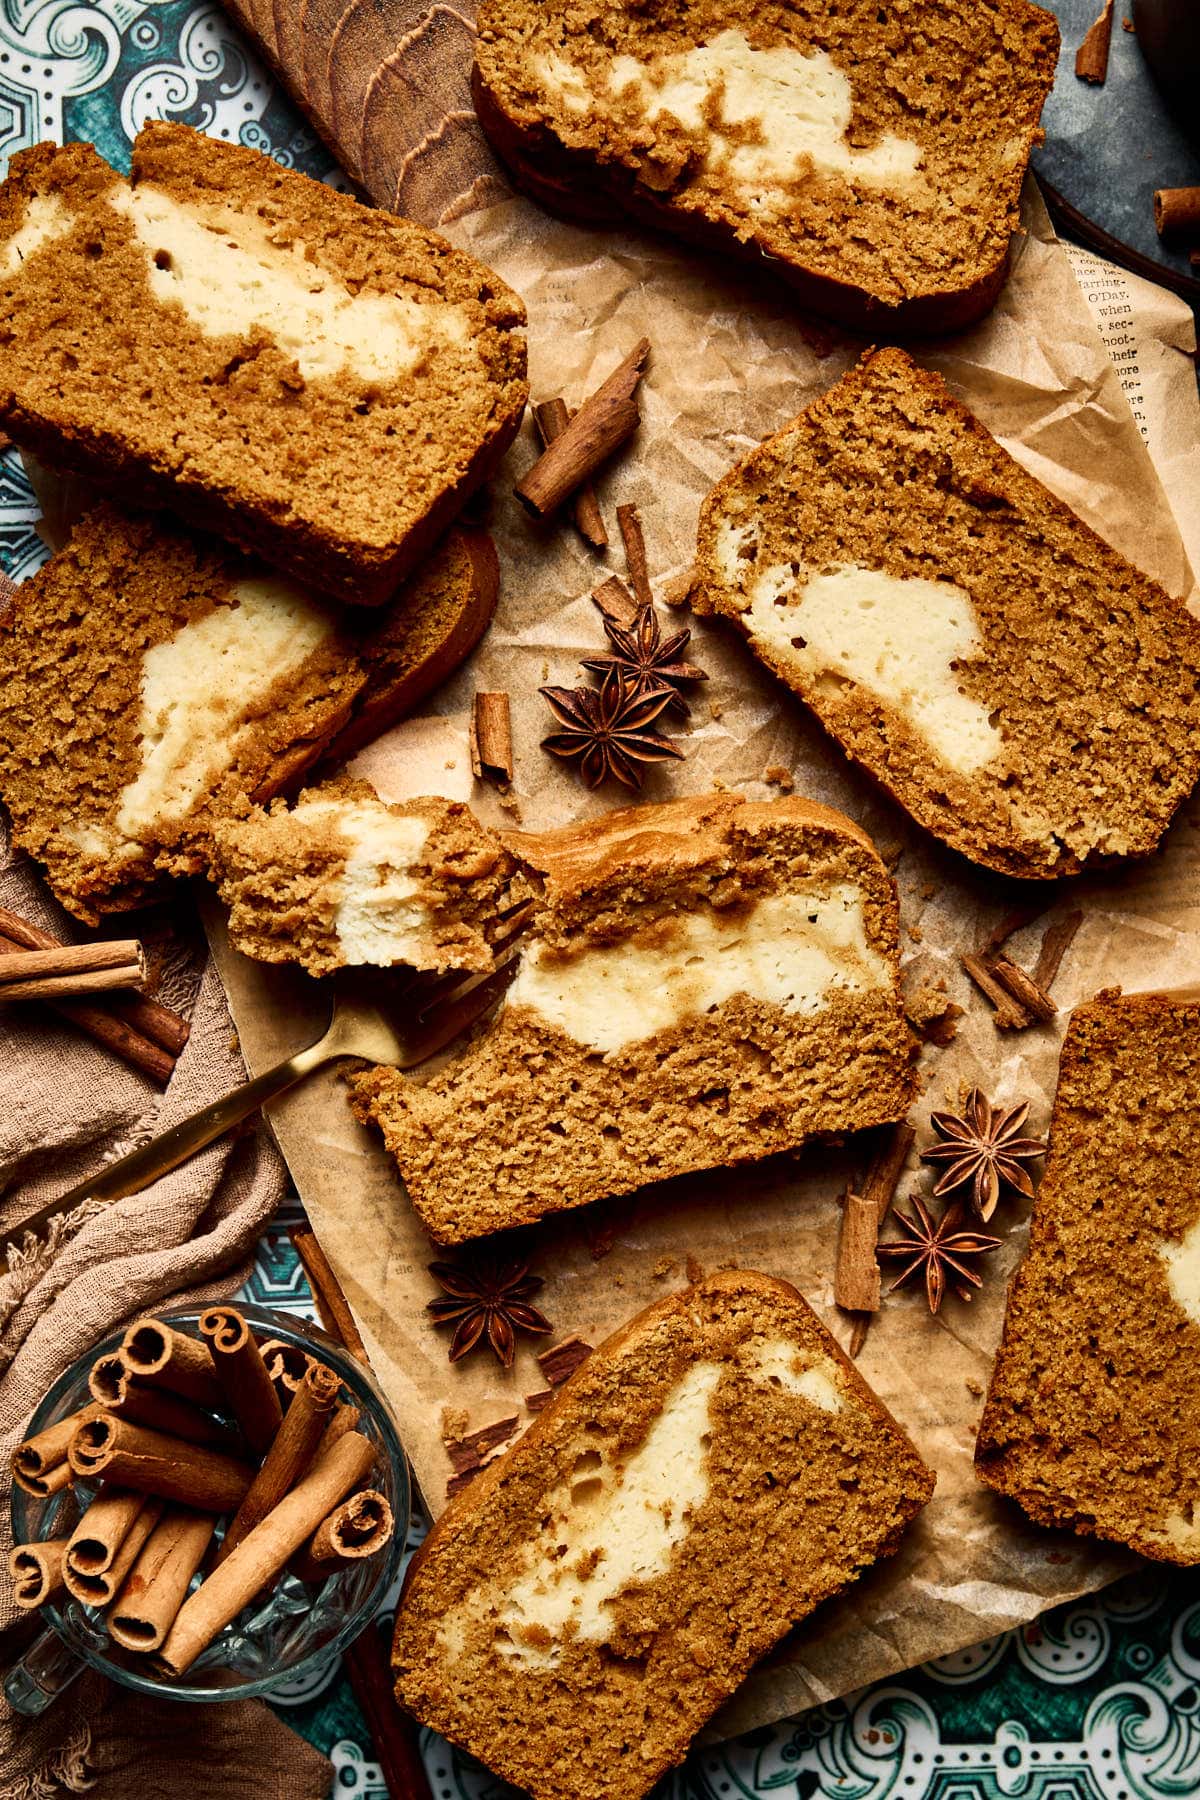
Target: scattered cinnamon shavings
(630,522)
(472,1451)
(615,602)
(560,1361)
(489,738)
(1091,59)
(1060,935)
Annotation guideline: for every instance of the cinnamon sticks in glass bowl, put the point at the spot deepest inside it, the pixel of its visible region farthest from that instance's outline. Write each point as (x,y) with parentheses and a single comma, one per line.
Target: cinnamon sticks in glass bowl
(193,1517)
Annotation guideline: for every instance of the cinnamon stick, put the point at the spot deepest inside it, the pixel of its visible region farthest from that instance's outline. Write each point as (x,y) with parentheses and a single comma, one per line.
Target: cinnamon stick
(40,1465)
(103,1529)
(856,1274)
(134,1456)
(152,1351)
(249,1391)
(133,1027)
(37,1572)
(1091,59)
(615,601)
(393,1733)
(157,1583)
(629,520)
(294,1448)
(72,969)
(856,1278)
(116,1391)
(603,423)
(1057,941)
(490,738)
(552,418)
(263,1553)
(342,1419)
(1177,212)
(98,1589)
(286,1365)
(332,1305)
(1010,1014)
(356,1529)
(1023,988)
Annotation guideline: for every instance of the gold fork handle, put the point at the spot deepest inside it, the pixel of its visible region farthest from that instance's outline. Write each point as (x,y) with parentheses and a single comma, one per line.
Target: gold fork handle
(130,1174)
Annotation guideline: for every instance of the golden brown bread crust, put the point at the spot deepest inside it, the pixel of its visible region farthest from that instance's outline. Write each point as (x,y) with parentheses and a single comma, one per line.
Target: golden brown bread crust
(720,1314)
(304,497)
(1092,1418)
(1047,626)
(603,188)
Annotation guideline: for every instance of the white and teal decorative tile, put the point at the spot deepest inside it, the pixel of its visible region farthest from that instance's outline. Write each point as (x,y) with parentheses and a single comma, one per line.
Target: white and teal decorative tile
(1099,1701)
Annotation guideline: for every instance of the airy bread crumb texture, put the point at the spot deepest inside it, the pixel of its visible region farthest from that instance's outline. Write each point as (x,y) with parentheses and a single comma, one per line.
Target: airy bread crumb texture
(705,983)
(1092,1420)
(152,684)
(339,878)
(874,153)
(1028,695)
(319,381)
(702,1482)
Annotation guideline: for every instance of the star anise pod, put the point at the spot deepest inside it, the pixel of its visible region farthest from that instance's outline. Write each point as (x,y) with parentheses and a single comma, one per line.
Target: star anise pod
(609,729)
(489,1298)
(647,659)
(982,1146)
(935,1249)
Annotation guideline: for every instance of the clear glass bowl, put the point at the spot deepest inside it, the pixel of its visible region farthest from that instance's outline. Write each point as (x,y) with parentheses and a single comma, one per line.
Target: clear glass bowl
(291,1631)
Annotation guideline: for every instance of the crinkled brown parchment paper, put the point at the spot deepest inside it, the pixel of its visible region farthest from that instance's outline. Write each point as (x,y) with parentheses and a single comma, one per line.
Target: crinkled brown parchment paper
(731,362)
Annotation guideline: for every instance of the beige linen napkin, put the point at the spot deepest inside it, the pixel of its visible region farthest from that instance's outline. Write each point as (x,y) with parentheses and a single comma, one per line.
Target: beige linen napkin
(67,1107)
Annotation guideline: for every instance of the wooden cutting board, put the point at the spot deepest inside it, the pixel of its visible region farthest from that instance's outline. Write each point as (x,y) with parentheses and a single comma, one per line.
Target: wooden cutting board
(387,83)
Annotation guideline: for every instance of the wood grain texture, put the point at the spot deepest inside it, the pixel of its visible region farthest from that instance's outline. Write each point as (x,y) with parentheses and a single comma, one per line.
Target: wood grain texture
(387,83)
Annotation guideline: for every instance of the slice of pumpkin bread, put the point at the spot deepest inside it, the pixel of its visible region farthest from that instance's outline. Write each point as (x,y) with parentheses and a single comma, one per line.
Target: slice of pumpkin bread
(1028,695)
(340,878)
(705,982)
(871,156)
(708,1476)
(1092,1420)
(151,683)
(321,382)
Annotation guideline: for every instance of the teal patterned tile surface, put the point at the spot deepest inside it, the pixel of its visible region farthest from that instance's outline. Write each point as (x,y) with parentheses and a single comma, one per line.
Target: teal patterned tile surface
(1098,1701)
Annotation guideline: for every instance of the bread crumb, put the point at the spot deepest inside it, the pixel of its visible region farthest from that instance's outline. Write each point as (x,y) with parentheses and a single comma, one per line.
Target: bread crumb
(933,1015)
(777,776)
(916,934)
(715,710)
(929,890)
(455,1420)
(890,854)
(974,1387)
(695,1270)
(666,1265)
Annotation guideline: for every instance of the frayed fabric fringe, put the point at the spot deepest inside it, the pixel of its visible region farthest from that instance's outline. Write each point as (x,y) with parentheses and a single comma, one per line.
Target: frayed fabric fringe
(66,1773)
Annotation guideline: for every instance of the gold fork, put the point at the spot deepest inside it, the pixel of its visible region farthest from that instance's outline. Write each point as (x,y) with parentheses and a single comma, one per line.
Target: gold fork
(441,1010)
